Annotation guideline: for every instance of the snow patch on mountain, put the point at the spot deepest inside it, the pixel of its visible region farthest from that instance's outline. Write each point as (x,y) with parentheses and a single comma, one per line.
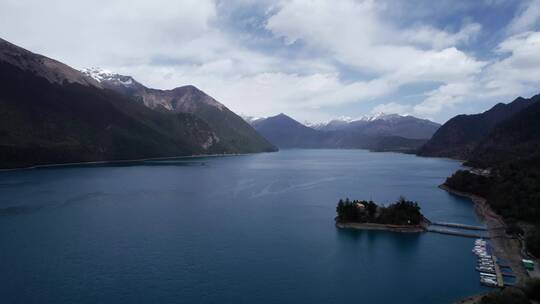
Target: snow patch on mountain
(101,75)
(251,119)
(345,120)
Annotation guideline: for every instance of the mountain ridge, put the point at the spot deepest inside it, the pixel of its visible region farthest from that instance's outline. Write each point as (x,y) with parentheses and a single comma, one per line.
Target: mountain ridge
(52,113)
(229,127)
(516,138)
(510,155)
(380,124)
(459,136)
(285,132)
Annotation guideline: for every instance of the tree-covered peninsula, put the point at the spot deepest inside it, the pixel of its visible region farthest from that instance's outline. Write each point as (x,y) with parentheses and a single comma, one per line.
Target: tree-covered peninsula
(401,215)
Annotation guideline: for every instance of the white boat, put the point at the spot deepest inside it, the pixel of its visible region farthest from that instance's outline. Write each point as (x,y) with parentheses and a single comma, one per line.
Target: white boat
(488,280)
(489,283)
(485,270)
(485,260)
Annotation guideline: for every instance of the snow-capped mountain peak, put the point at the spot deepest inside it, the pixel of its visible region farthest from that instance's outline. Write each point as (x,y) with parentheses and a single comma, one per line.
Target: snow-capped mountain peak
(379,116)
(251,119)
(333,121)
(98,74)
(345,120)
(101,75)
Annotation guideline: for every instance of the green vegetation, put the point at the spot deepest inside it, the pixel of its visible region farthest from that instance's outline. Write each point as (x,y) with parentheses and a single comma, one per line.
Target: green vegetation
(533,241)
(507,296)
(465,181)
(532,289)
(402,212)
(513,191)
(512,152)
(511,295)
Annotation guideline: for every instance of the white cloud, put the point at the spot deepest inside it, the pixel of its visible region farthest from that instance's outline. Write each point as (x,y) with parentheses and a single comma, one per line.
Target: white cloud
(515,74)
(392,108)
(518,71)
(166,44)
(354,33)
(83,33)
(445,96)
(435,38)
(527,18)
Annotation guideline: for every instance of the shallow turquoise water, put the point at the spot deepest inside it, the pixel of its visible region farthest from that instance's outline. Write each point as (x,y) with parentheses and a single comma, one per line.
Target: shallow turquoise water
(245,229)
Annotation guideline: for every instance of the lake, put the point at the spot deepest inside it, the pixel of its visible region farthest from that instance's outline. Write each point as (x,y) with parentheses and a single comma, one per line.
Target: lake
(239,229)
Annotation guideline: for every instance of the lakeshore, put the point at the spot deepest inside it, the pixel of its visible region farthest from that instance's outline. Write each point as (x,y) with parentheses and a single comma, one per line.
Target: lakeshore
(504,245)
(124,161)
(385,227)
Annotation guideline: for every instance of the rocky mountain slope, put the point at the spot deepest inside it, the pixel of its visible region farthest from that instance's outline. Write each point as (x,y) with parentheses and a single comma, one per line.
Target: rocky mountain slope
(230,128)
(52,113)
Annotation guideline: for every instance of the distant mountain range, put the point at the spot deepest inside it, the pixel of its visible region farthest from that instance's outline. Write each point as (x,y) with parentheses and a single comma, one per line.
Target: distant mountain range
(52,113)
(377,134)
(285,132)
(460,136)
(382,124)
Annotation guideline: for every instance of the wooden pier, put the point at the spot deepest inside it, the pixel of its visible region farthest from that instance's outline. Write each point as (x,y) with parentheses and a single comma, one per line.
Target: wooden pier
(498,273)
(457,233)
(457,229)
(460,226)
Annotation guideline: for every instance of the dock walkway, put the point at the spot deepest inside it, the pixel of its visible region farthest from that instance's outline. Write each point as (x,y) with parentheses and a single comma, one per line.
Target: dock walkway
(457,229)
(460,226)
(456,233)
(500,280)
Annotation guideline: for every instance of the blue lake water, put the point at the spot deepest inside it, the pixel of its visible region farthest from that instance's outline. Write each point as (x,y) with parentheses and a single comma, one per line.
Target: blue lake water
(243,229)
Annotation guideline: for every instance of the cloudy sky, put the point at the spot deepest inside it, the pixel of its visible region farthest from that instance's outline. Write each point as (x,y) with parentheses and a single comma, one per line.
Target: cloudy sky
(313,60)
